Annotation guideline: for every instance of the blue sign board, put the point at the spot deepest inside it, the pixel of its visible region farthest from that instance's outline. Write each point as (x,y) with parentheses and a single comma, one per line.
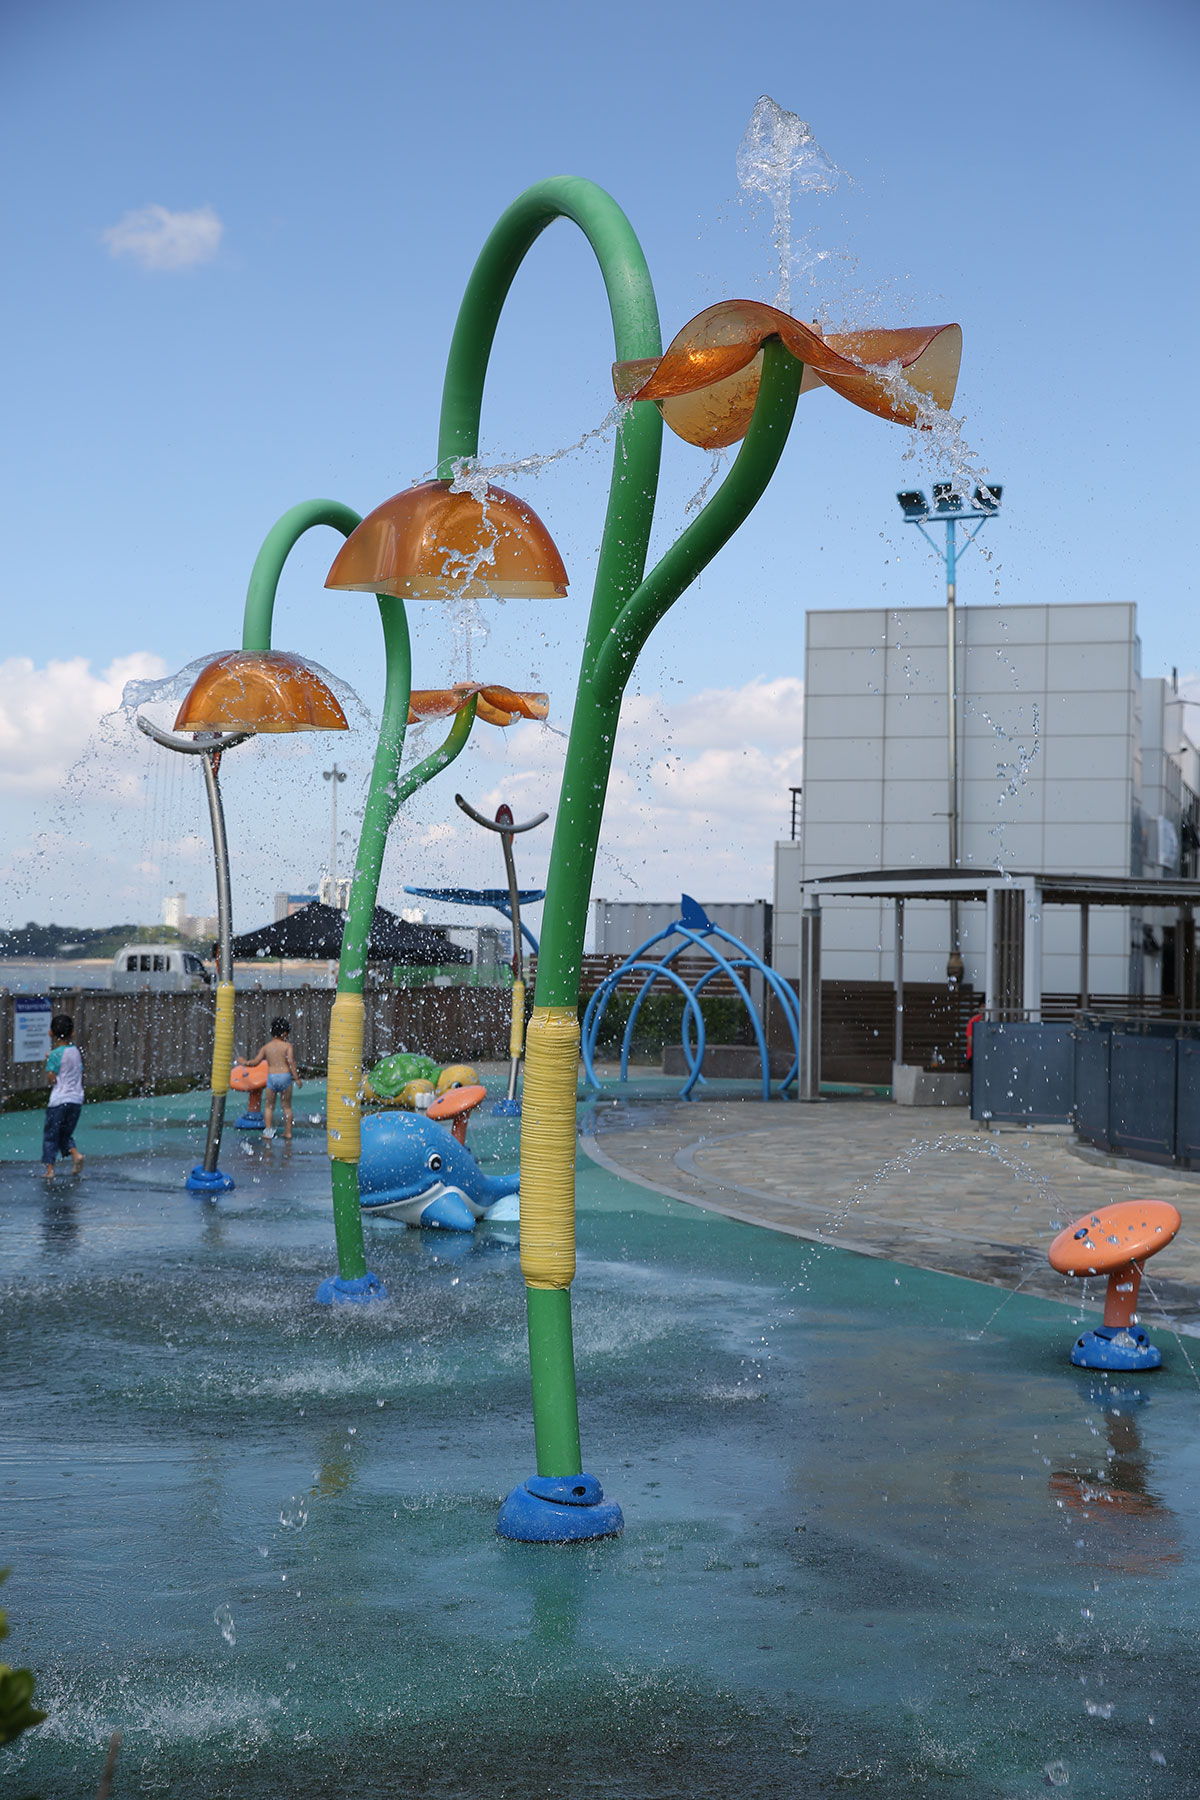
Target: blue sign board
(31,1028)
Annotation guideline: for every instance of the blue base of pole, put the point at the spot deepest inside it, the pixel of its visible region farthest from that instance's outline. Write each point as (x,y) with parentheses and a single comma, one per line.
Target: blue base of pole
(507,1109)
(337,1290)
(201,1182)
(250,1121)
(559,1509)
(1115,1347)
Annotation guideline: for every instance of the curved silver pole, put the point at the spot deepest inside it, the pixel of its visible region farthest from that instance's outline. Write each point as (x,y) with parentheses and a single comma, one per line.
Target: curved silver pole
(210,762)
(208,745)
(196,745)
(507,830)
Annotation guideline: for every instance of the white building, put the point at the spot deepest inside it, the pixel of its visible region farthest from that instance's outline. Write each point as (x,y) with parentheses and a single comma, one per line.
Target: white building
(1069,762)
(188,925)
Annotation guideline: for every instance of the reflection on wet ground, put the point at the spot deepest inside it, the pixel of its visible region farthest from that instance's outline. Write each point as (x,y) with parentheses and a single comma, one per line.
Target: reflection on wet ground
(878,1533)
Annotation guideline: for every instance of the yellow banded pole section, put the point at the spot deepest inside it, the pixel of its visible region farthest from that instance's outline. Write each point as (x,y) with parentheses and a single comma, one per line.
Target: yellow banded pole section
(548,1230)
(222,1057)
(343,1103)
(343,1129)
(516,1035)
(222,1062)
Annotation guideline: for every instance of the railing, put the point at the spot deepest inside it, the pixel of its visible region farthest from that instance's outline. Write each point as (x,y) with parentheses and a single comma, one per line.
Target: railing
(690,965)
(1125,1006)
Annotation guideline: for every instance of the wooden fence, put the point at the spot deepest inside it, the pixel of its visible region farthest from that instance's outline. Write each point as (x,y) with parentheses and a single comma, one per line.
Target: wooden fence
(144,1040)
(858,1028)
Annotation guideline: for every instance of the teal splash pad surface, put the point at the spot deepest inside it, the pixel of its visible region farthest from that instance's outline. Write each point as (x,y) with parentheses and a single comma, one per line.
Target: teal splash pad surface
(876,1537)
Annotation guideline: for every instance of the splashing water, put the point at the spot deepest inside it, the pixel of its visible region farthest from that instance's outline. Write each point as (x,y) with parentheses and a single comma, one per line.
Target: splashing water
(779,153)
(472,476)
(720,460)
(224,1618)
(469,630)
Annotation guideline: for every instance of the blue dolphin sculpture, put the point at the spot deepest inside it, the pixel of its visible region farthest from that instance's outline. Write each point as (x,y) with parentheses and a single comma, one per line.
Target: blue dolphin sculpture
(414,1169)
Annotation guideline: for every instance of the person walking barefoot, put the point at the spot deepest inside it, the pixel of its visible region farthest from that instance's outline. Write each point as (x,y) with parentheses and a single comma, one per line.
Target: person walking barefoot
(282,1075)
(65,1063)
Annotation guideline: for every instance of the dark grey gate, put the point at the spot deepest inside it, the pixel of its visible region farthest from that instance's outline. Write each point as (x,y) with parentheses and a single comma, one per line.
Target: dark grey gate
(1141,1107)
(1093,1042)
(1022,1072)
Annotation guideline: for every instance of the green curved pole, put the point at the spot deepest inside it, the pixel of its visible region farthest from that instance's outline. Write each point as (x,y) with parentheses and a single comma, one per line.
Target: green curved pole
(624,610)
(628,520)
(278,545)
(386,794)
(594,729)
(382,802)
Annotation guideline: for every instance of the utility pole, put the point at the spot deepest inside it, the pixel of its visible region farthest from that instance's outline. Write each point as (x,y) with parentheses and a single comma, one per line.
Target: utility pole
(333,776)
(948,509)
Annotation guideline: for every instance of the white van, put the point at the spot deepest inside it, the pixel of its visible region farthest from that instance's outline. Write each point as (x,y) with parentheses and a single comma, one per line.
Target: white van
(164,967)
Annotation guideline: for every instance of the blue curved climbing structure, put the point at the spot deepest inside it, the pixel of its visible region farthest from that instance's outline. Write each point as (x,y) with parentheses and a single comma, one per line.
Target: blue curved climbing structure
(693,929)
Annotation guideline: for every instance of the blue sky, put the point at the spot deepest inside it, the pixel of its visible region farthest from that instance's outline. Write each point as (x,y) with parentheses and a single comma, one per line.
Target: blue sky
(1027,171)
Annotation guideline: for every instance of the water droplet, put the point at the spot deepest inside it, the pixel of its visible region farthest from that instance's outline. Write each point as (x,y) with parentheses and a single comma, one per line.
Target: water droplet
(224,1618)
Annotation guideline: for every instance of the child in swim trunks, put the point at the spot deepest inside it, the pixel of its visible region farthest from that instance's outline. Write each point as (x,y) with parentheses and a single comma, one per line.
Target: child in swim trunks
(282,1076)
(65,1064)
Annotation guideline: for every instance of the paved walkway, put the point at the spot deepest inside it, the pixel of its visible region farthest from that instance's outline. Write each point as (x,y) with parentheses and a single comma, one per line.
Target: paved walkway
(917,1185)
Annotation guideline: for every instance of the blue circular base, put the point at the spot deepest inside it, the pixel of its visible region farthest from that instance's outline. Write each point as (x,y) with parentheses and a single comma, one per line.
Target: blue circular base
(201,1182)
(1115,1347)
(559,1509)
(336,1290)
(250,1121)
(507,1109)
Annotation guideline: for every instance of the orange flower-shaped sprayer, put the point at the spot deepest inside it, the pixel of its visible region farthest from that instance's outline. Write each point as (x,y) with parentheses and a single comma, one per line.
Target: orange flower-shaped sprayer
(495,705)
(260,690)
(706,383)
(431,543)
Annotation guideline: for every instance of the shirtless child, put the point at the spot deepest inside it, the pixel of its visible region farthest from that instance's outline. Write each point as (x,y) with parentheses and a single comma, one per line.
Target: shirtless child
(282,1075)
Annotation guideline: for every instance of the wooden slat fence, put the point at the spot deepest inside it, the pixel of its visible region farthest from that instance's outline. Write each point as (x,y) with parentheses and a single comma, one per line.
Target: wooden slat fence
(858,1026)
(146,1039)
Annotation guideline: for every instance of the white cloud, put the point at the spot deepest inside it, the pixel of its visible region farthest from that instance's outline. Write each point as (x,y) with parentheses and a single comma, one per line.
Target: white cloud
(697,797)
(160,239)
(49,714)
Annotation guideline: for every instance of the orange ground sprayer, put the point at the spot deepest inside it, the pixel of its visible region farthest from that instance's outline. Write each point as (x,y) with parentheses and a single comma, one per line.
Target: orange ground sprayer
(249,1079)
(1115,1241)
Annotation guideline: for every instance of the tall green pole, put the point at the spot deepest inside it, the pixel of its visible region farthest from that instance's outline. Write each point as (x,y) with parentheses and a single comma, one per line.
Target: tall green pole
(624,610)
(386,794)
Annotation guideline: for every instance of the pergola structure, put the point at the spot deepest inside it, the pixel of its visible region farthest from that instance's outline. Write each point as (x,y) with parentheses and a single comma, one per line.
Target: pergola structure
(1015,905)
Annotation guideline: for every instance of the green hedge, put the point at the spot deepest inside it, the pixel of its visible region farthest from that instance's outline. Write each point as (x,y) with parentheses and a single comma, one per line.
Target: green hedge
(660,1022)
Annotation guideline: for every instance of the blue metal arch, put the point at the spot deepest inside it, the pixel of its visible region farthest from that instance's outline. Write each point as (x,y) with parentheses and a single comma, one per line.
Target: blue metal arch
(693,928)
(594,1014)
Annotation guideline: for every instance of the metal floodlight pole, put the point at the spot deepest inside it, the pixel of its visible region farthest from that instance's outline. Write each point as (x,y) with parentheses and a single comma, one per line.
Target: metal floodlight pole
(948,509)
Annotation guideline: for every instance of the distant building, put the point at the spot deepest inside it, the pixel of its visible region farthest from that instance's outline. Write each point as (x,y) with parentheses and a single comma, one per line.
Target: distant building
(188,925)
(333,891)
(287,904)
(1069,762)
(622,926)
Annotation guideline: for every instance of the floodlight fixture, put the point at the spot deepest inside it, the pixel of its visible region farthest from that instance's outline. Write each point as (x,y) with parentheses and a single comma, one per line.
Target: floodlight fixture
(914,503)
(987,499)
(945,499)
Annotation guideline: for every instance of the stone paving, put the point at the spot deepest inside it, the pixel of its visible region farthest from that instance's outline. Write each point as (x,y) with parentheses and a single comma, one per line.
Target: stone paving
(924,1186)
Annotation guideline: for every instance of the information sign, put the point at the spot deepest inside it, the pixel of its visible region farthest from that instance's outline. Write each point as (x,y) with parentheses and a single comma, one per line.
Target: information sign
(31,1028)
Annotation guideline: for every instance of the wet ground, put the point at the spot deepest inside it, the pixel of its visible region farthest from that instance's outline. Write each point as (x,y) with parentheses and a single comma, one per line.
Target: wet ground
(920,1185)
(880,1534)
